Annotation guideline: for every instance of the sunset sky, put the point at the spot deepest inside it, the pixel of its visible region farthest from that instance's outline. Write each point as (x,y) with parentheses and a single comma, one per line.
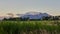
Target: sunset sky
(22,6)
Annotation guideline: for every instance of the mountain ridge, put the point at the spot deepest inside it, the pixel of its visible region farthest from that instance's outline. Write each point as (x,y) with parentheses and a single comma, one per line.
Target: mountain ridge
(35,15)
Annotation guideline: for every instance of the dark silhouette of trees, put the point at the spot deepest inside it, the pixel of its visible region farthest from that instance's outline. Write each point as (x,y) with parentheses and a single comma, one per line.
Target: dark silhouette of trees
(5,19)
(55,18)
(27,18)
(12,19)
(34,19)
(46,17)
(24,19)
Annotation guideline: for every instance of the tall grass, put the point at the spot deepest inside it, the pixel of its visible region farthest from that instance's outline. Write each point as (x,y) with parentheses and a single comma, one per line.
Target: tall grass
(28,27)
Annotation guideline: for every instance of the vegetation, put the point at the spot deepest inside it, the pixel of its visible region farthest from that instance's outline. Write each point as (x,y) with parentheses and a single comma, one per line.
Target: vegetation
(28,19)
(29,27)
(46,25)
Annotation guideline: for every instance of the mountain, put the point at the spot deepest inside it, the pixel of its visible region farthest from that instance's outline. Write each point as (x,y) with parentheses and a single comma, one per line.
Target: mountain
(31,15)
(35,15)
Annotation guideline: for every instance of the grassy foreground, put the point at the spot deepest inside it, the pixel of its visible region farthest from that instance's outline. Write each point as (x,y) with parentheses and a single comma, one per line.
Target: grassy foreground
(29,27)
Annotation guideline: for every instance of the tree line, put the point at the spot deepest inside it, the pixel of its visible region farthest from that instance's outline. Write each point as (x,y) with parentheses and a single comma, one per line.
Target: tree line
(27,18)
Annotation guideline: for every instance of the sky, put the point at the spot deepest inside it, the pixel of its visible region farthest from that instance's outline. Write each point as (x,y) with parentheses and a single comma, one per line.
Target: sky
(22,6)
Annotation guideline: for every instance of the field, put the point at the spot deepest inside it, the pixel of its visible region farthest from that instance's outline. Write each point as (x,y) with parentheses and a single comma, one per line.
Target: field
(30,27)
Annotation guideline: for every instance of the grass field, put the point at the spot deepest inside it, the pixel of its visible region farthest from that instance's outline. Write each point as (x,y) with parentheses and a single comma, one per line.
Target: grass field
(29,27)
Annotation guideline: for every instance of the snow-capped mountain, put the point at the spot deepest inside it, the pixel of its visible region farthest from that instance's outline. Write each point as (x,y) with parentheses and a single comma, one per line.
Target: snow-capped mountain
(35,15)
(31,15)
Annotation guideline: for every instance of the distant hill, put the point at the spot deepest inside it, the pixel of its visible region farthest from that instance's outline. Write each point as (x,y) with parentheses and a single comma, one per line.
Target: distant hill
(34,15)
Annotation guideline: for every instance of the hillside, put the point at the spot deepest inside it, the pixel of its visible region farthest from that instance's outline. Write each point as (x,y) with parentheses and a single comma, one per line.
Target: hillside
(35,15)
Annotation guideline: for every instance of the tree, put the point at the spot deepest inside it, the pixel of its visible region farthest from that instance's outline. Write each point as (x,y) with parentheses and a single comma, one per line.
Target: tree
(46,17)
(24,19)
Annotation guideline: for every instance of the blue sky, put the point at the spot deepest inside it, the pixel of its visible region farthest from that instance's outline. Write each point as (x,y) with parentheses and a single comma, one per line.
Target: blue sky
(23,6)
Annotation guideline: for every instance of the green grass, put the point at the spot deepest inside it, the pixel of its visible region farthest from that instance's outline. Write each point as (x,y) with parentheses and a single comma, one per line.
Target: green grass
(29,27)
